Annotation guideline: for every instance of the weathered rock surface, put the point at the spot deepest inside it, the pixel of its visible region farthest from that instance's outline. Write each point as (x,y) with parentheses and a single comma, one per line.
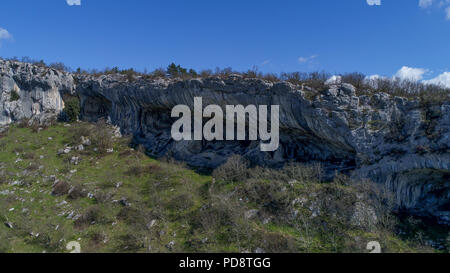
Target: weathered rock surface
(40,91)
(387,139)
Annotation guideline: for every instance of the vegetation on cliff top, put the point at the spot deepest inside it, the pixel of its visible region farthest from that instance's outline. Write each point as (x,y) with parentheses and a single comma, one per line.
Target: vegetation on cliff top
(428,94)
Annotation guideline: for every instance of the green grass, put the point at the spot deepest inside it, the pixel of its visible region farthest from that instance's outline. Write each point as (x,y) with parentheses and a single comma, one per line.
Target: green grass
(184,206)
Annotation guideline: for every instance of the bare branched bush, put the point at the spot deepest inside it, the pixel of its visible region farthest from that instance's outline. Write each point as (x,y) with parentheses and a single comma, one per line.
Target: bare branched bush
(358,80)
(61,188)
(235,169)
(314,80)
(138,170)
(273,242)
(93,215)
(76,192)
(380,198)
(130,242)
(272,195)
(225,212)
(102,137)
(180,202)
(134,217)
(82,130)
(292,171)
(60,66)
(427,94)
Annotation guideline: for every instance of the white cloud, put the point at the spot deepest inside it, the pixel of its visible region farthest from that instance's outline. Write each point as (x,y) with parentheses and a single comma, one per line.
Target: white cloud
(443,79)
(410,73)
(443,4)
(374,2)
(4,34)
(373,77)
(334,80)
(307,59)
(425,3)
(73,2)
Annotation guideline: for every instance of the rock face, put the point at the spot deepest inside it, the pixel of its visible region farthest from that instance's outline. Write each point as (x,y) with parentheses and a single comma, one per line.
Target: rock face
(390,140)
(31,92)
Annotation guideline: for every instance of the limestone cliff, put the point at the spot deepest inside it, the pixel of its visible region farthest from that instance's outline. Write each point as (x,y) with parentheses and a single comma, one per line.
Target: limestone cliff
(38,90)
(390,140)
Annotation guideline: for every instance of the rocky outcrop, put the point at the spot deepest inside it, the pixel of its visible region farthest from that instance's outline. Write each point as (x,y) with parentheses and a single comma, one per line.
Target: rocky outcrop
(390,140)
(31,92)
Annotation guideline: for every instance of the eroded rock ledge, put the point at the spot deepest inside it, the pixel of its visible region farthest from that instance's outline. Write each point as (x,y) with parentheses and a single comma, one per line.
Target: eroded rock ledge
(387,139)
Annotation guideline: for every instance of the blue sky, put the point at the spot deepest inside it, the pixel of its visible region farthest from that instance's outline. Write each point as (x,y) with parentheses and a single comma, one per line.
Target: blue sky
(409,38)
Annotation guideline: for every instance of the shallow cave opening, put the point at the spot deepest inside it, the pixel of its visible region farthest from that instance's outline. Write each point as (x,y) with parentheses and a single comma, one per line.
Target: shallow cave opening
(95,108)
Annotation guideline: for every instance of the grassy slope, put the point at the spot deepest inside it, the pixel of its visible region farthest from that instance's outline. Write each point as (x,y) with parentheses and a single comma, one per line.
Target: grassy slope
(183,203)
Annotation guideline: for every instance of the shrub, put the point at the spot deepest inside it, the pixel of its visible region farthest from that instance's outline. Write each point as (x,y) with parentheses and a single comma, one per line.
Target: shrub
(381,199)
(102,136)
(129,242)
(315,80)
(272,195)
(356,79)
(206,73)
(192,73)
(91,216)
(29,155)
(272,242)
(130,74)
(35,126)
(126,153)
(158,73)
(176,71)
(23,123)
(428,94)
(76,192)
(233,170)
(83,130)
(114,70)
(213,217)
(61,188)
(253,73)
(293,171)
(96,238)
(14,96)
(72,109)
(40,63)
(224,219)
(181,202)
(270,77)
(59,66)
(32,167)
(138,170)
(102,197)
(133,217)
(223,73)
(50,239)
